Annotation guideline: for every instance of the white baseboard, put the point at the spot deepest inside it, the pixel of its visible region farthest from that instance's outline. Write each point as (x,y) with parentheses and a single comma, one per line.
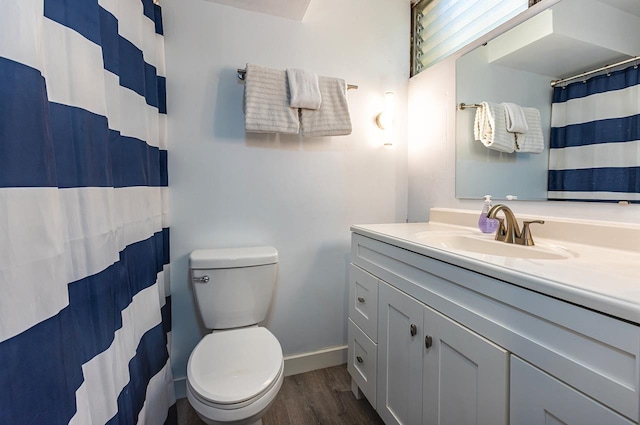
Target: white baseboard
(293,365)
(314,360)
(180,386)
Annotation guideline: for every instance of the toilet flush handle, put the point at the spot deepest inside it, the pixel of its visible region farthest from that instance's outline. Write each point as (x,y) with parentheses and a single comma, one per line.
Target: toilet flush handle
(203,279)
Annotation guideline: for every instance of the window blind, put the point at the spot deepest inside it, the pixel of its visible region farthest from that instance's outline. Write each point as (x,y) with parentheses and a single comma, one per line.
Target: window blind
(441,27)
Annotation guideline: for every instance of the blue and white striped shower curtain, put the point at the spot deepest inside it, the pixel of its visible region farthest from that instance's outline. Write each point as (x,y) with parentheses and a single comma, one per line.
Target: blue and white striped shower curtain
(595,139)
(84,242)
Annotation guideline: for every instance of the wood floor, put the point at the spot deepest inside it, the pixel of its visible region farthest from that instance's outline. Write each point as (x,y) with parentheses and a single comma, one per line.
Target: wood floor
(320,397)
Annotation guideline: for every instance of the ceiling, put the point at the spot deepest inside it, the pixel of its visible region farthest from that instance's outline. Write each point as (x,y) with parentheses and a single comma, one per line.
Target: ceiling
(629,6)
(291,9)
(296,9)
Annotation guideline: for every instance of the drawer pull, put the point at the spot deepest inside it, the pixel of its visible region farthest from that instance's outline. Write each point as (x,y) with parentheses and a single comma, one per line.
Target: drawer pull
(428,341)
(413,329)
(359,359)
(360,300)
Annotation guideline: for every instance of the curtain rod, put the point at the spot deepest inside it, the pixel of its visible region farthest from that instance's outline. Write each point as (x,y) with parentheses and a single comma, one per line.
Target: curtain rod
(242,73)
(595,71)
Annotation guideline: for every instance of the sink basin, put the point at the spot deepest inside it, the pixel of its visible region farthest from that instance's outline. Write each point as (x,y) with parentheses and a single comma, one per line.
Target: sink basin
(484,245)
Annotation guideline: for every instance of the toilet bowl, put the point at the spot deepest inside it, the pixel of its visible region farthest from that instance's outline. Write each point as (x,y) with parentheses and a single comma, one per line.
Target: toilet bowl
(234,376)
(235,372)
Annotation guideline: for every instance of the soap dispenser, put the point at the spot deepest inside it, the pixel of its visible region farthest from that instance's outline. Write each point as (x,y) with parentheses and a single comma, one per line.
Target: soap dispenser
(485,224)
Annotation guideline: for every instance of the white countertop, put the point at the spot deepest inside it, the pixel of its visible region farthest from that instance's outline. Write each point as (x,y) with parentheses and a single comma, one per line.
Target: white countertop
(595,276)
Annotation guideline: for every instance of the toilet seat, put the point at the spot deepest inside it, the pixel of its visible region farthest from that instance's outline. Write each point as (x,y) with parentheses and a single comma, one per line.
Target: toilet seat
(232,369)
(250,413)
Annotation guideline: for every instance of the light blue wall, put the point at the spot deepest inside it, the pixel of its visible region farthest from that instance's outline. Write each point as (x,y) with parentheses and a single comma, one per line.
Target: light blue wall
(230,189)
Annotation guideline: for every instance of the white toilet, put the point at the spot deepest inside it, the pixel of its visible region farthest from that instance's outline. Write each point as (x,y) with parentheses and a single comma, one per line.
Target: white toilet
(235,372)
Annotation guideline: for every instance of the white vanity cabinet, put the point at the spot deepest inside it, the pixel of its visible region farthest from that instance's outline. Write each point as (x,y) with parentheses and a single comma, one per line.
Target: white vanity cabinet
(458,347)
(433,370)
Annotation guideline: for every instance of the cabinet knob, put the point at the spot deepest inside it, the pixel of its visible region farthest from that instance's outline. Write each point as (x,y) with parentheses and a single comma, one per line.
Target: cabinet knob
(359,359)
(428,341)
(360,299)
(413,329)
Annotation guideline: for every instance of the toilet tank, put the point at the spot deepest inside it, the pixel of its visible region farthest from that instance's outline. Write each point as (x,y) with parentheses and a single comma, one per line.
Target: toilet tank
(233,287)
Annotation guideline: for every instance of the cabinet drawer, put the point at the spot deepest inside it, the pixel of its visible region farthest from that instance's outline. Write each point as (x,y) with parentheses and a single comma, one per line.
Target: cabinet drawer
(539,399)
(362,362)
(363,301)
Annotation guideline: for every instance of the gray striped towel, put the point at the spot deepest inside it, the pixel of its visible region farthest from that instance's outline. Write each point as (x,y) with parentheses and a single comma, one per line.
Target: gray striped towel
(332,119)
(266,102)
(533,140)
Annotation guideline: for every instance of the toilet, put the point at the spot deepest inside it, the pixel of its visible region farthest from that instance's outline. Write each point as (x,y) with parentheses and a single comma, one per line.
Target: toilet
(236,371)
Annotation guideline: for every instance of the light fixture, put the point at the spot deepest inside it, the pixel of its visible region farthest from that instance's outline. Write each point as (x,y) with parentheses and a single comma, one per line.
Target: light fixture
(385,118)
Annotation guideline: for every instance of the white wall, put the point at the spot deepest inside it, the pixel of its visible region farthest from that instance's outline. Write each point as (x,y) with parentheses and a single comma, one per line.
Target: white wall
(231,189)
(432,114)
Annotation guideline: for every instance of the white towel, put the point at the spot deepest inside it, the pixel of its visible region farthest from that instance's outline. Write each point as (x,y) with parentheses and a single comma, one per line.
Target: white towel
(304,88)
(516,121)
(332,119)
(532,141)
(490,128)
(266,102)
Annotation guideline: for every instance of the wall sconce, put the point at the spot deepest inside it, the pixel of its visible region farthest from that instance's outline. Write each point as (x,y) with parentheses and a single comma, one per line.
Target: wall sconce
(385,118)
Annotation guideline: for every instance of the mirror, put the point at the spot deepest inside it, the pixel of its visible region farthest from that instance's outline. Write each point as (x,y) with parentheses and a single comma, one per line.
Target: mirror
(571,37)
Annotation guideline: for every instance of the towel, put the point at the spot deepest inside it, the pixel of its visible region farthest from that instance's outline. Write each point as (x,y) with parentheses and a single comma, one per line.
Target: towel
(304,88)
(490,128)
(266,102)
(516,121)
(332,119)
(532,141)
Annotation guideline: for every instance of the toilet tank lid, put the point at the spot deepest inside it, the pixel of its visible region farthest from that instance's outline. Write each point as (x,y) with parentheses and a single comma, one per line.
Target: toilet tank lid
(224,258)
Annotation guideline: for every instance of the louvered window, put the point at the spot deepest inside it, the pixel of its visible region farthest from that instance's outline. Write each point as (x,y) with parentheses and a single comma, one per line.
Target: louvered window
(441,27)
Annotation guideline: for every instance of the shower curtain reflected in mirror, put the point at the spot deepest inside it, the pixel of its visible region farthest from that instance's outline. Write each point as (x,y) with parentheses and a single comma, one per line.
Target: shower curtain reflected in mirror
(84,241)
(595,139)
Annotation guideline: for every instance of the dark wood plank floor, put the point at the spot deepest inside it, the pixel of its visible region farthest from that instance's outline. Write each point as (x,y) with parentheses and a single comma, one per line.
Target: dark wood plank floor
(320,397)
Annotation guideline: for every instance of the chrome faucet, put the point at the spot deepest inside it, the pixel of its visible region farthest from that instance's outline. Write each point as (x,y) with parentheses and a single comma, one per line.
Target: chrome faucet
(510,233)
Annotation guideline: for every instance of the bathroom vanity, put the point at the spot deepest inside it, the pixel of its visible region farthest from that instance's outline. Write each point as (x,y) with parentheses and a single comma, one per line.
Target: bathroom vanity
(446,327)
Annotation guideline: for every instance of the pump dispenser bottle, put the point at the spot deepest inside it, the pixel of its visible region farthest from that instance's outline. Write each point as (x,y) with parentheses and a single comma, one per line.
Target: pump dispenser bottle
(487,225)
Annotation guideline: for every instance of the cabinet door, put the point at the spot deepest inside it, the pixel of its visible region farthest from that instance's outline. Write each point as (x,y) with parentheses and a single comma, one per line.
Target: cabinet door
(540,399)
(399,357)
(465,375)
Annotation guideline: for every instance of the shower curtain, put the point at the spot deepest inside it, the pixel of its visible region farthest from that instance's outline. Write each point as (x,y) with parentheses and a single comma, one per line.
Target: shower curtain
(595,139)
(84,241)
